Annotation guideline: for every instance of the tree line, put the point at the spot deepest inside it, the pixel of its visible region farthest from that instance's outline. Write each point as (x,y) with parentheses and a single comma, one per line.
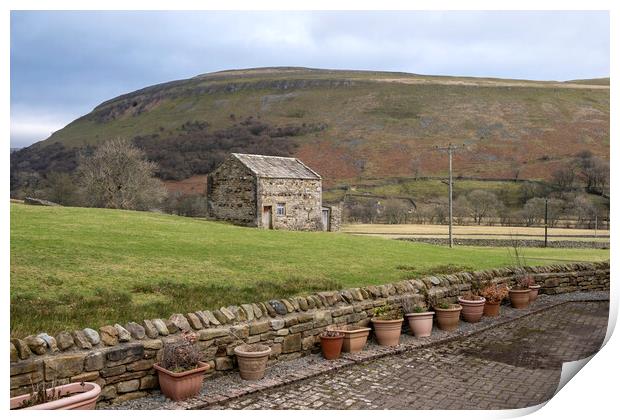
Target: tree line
(574,209)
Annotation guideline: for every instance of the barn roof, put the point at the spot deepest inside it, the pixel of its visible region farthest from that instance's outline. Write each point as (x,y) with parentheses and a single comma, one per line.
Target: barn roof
(276,166)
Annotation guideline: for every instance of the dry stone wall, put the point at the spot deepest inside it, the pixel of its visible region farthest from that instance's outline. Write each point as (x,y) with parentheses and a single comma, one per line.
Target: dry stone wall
(120,358)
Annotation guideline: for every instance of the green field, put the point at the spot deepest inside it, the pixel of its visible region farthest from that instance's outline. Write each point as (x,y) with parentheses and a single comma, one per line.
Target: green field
(75,267)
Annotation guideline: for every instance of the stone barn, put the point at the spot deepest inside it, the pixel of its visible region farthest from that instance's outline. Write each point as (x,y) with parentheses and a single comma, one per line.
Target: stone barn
(269,192)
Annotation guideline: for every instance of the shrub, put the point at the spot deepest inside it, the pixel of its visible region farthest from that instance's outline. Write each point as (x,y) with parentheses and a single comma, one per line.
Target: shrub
(524,282)
(494,293)
(181,356)
(388,312)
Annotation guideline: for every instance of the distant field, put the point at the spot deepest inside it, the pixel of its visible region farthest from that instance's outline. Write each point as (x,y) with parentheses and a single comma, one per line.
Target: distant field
(76,267)
(475,232)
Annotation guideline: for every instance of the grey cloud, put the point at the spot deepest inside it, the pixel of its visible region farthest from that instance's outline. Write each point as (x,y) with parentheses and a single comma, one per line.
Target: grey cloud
(71,61)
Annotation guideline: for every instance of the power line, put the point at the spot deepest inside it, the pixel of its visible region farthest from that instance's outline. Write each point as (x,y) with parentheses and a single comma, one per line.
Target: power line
(450,148)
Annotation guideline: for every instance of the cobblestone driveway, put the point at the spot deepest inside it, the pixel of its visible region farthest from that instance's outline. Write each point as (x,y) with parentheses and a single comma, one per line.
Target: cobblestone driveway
(512,366)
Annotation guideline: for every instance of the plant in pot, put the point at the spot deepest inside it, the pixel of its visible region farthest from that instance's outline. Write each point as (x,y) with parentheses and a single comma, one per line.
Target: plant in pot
(473,306)
(355,338)
(448,315)
(73,396)
(180,371)
(331,343)
(494,295)
(520,293)
(387,322)
(420,319)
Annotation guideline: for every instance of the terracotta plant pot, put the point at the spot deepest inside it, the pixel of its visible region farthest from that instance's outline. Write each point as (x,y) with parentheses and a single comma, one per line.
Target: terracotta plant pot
(448,319)
(519,299)
(420,324)
(354,338)
(181,385)
(472,309)
(534,292)
(81,396)
(491,309)
(331,346)
(252,359)
(387,332)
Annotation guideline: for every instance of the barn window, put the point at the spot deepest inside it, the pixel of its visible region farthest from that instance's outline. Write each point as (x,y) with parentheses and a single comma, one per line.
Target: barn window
(281,209)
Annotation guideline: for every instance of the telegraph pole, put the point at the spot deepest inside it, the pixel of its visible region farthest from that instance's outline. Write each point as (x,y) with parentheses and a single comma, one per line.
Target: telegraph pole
(450,149)
(546,218)
(595,225)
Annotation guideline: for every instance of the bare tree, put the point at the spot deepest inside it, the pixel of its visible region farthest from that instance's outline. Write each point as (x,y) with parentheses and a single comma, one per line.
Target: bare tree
(439,210)
(482,204)
(534,211)
(564,178)
(61,189)
(118,176)
(584,210)
(461,209)
(395,211)
(593,171)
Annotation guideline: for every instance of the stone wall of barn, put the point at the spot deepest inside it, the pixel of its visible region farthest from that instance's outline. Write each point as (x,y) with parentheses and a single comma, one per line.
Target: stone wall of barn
(120,358)
(302,200)
(335,217)
(231,193)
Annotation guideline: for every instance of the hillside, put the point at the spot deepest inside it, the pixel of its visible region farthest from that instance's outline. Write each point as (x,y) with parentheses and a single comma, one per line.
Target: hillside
(348,125)
(78,267)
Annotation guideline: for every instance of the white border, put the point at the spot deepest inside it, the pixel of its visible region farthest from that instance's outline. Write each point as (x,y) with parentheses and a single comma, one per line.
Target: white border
(591,394)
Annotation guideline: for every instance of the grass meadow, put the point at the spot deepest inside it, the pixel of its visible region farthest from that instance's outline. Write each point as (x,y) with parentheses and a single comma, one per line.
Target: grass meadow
(75,267)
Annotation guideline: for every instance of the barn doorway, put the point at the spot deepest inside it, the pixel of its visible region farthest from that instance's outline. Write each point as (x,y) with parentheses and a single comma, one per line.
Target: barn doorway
(267,217)
(325,216)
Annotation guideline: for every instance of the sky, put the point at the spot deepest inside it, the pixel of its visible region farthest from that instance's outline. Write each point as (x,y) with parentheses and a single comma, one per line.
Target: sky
(63,64)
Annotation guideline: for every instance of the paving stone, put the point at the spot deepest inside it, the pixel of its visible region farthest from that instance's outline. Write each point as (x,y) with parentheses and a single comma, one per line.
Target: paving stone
(513,366)
(511,361)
